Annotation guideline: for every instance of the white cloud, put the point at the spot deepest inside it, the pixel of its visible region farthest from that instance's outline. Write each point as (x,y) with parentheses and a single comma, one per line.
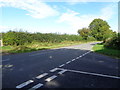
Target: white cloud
(35,8)
(78,21)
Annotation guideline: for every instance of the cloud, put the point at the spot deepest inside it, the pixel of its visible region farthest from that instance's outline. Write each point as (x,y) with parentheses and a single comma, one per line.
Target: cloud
(35,8)
(78,21)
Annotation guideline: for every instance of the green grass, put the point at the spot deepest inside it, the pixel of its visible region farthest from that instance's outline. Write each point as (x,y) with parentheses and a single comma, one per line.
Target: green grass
(99,48)
(35,46)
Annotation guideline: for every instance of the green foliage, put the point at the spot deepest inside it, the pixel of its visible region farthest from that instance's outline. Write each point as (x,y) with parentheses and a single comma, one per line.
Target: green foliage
(16,38)
(91,39)
(100,48)
(100,29)
(21,49)
(84,32)
(113,42)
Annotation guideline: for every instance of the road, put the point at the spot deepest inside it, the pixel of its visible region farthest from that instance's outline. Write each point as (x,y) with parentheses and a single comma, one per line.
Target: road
(67,67)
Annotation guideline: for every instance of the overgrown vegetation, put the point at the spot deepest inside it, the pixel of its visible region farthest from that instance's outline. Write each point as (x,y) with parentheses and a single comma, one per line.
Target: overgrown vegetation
(21,38)
(20,41)
(113,42)
(100,48)
(98,29)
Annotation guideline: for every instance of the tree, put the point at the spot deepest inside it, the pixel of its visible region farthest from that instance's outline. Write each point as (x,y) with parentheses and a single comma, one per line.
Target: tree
(84,32)
(100,29)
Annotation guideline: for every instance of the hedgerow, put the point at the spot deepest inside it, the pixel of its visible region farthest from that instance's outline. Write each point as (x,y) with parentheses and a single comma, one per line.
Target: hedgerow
(20,38)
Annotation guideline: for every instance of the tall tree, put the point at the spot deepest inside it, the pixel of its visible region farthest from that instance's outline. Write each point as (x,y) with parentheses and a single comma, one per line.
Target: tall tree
(100,29)
(84,32)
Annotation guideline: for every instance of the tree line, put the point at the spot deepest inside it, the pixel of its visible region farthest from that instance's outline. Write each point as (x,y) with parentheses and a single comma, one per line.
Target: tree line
(98,29)
(20,38)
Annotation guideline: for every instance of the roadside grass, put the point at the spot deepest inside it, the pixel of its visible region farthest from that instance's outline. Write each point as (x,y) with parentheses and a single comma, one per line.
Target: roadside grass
(34,46)
(6,48)
(99,48)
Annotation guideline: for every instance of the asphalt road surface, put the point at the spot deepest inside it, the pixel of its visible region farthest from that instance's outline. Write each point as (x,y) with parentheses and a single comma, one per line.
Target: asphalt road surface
(68,67)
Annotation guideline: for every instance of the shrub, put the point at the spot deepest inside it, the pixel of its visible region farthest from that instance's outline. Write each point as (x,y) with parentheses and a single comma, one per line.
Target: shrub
(21,38)
(91,39)
(113,42)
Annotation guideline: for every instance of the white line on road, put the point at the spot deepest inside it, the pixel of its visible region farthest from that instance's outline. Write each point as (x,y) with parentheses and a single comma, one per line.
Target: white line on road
(62,65)
(42,75)
(89,73)
(80,56)
(50,78)
(24,84)
(73,59)
(36,86)
(5,60)
(61,72)
(68,62)
(77,57)
(53,70)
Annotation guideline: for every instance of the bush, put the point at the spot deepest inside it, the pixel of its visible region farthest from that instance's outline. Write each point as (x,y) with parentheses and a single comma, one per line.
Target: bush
(16,38)
(113,42)
(21,38)
(21,48)
(91,39)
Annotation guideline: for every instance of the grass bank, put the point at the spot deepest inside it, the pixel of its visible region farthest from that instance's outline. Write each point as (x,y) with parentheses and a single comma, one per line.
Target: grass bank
(99,48)
(34,46)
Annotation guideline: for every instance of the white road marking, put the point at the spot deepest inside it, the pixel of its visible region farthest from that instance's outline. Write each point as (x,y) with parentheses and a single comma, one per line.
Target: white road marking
(61,72)
(80,56)
(42,75)
(36,86)
(5,60)
(53,70)
(89,73)
(24,84)
(73,59)
(62,65)
(68,62)
(77,57)
(50,78)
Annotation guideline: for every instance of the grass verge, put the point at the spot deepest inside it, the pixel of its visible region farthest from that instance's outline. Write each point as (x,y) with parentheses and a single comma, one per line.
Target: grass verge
(37,46)
(99,48)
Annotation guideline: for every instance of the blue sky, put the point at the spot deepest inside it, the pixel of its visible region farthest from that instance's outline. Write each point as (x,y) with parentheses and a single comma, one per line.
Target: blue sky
(55,17)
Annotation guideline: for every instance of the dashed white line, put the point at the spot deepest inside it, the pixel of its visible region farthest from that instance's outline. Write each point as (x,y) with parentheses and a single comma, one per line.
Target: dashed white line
(62,65)
(73,59)
(42,75)
(68,62)
(53,70)
(50,78)
(80,56)
(89,73)
(61,72)
(77,57)
(36,86)
(24,84)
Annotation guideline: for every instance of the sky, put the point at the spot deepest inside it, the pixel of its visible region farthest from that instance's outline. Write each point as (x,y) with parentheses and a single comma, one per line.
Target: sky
(55,17)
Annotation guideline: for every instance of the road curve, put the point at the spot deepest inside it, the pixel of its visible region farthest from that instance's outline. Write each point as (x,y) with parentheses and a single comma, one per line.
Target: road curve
(56,68)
